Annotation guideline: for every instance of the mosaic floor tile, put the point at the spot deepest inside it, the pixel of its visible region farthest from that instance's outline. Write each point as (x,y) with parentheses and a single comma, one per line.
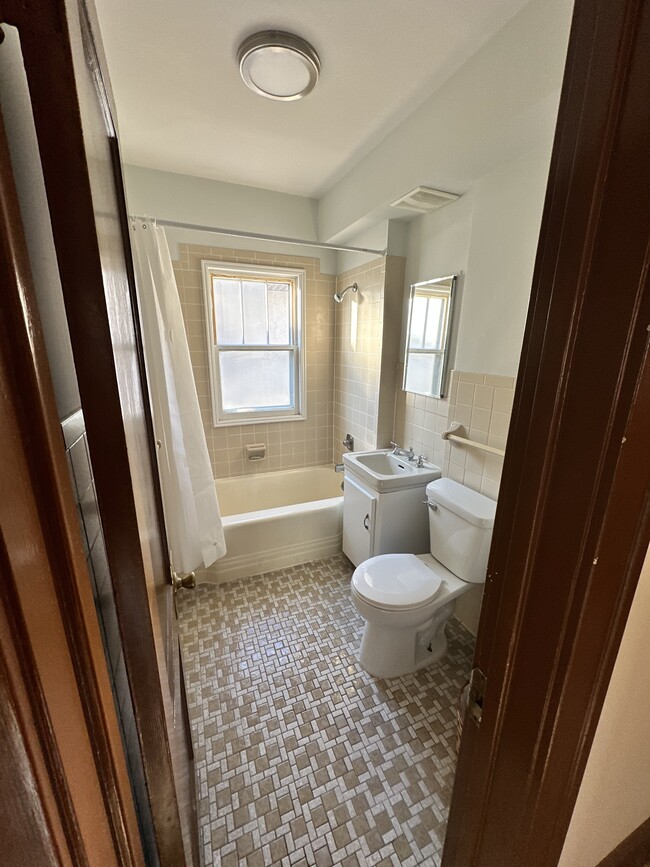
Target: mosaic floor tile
(302,758)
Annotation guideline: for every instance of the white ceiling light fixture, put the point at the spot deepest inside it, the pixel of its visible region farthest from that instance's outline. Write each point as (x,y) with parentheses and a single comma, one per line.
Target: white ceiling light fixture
(278,65)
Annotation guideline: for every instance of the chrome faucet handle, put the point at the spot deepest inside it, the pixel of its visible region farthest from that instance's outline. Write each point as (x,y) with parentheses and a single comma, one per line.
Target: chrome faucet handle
(421,460)
(410,454)
(395,448)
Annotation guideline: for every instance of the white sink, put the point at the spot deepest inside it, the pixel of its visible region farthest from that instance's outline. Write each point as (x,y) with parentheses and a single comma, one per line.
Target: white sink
(384,471)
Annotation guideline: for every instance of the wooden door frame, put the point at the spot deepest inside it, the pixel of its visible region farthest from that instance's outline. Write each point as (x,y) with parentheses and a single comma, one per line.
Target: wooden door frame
(42,561)
(48,31)
(573,521)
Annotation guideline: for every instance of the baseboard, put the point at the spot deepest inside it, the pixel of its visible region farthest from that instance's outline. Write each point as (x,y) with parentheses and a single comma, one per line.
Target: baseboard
(634,851)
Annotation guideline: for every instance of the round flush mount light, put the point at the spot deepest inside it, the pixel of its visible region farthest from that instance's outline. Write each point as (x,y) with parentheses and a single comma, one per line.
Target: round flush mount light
(278,65)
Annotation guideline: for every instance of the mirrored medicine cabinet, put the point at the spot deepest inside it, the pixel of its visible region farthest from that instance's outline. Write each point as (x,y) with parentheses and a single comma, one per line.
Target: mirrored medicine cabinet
(430,314)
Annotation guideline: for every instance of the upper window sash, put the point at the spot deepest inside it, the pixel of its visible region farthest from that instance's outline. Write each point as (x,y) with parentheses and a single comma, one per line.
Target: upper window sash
(267,275)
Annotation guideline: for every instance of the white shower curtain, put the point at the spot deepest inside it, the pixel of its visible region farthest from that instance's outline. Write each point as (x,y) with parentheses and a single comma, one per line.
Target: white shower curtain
(192,519)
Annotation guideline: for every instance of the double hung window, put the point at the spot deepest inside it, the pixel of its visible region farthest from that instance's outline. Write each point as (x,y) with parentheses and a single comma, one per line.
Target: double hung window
(254,327)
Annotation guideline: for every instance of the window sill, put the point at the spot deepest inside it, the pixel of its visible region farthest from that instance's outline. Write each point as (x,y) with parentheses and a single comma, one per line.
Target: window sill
(270,419)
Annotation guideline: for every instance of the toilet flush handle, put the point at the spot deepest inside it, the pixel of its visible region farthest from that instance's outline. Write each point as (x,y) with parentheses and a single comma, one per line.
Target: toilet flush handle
(432,506)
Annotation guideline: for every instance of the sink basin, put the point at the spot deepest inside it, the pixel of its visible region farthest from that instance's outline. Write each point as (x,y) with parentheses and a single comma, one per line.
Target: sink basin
(384,471)
(385,464)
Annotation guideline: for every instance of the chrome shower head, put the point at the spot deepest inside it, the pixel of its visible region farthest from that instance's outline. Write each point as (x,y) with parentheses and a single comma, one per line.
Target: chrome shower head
(339,296)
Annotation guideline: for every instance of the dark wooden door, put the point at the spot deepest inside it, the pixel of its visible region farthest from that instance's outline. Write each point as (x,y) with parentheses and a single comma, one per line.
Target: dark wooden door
(573,522)
(74,122)
(63,777)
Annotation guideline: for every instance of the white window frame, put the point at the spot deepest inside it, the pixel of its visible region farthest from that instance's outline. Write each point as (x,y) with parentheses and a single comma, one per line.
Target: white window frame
(297,277)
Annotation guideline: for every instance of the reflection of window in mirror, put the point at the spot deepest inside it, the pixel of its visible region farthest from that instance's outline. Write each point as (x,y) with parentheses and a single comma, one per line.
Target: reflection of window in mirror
(427,343)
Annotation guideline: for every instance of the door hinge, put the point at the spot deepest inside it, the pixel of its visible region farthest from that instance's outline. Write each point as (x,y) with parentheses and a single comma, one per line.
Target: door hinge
(477,686)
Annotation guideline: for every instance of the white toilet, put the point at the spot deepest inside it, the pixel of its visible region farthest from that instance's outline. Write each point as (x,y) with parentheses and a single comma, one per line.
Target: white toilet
(407,599)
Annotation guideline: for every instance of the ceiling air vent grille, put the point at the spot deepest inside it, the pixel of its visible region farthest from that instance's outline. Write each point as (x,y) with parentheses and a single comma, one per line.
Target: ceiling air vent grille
(423,199)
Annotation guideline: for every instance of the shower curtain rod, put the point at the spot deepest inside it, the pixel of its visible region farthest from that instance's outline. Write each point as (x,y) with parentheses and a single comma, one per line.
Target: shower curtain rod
(255,236)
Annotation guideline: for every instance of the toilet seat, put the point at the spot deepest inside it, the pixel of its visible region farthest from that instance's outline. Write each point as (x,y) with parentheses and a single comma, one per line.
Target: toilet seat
(395,582)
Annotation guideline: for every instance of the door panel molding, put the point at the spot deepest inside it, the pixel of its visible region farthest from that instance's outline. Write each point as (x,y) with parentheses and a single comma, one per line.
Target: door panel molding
(573,522)
(23,708)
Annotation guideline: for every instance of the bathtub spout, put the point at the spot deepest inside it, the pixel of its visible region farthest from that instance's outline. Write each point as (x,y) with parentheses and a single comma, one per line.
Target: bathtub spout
(338,468)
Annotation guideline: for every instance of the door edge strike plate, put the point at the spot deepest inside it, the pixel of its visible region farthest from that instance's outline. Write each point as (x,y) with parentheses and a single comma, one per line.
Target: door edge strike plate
(477,686)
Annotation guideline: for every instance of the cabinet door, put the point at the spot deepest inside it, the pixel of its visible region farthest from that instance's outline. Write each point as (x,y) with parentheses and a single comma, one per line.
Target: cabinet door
(359,508)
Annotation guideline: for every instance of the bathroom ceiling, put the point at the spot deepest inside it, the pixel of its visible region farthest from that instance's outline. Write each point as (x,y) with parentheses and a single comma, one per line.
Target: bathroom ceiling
(182,106)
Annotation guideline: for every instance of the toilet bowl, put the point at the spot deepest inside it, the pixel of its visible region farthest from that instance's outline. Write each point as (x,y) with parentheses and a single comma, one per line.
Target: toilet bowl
(406,599)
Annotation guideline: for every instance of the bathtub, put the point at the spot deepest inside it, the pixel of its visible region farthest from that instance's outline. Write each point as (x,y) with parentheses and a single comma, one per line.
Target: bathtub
(273,520)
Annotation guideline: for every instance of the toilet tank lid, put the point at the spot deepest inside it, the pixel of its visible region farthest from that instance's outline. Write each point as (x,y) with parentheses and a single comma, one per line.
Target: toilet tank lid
(468,504)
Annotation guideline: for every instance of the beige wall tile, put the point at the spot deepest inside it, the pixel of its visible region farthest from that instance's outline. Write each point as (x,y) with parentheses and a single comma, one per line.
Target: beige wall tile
(465,393)
(364,387)
(484,396)
(482,403)
(503,398)
(500,381)
(499,423)
(480,418)
(306,442)
(477,378)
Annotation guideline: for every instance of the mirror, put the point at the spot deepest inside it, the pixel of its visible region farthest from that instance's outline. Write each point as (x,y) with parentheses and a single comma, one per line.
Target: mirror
(430,313)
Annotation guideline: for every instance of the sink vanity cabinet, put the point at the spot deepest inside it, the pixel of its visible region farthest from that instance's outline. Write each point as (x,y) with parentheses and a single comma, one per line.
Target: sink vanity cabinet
(385,515)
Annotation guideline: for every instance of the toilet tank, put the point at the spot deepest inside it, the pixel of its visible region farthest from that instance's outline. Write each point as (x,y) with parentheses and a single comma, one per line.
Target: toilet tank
(460,528)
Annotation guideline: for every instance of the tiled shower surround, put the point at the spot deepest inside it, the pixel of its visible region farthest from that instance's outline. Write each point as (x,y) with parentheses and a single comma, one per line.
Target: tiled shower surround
(289,444)
(366,345)
(302,757)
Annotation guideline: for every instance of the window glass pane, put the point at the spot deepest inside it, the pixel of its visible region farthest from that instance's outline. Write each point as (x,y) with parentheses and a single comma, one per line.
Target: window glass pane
(256,379)
(254,305)
(279,310)
(228,311)
(435,322)
(418,318)
(424,372)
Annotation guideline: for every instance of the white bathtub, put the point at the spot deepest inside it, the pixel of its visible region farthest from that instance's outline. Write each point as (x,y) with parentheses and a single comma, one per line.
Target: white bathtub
(273,520)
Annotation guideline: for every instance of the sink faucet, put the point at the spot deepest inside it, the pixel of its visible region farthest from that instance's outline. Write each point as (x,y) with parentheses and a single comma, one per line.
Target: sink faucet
(409,454)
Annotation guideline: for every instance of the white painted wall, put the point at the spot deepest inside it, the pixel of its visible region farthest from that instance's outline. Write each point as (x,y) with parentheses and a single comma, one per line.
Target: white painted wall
(614,797)
(201,201)
(214,203)
(500,104)
(506,220)
(438,243)
(490,236)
